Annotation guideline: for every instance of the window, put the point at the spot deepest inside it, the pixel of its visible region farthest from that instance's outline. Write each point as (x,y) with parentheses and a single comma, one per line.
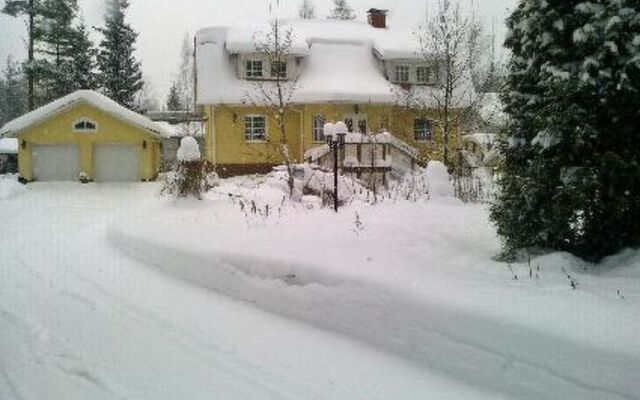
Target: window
(318,128)
(255,128)
(279,69)
(422,129)
(253,69)
(402,73)
(423,75)
(85,125)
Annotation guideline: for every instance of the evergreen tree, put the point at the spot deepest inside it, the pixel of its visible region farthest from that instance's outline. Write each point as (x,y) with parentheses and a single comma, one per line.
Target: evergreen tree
(13,90)
(572,161)
(186,82)
(173,100)
(84,61)
(56,67)
(33,11)
(307,10)
(341,10)
(120,75)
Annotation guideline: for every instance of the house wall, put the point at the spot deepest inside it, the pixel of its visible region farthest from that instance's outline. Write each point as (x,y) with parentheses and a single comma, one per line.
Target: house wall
(59,130)
(225,144)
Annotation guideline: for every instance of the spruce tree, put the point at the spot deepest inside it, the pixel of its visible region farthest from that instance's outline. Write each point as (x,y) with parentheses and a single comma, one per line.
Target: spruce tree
(341,10)
(571,177)
(186,82)
(33,11)
(13,90)
(84,60)
(56,67)
(120,75)
(173,99)
(307,10)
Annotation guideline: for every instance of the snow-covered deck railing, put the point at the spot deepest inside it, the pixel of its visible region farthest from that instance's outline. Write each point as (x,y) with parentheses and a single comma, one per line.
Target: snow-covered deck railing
(316,153)
(95,99)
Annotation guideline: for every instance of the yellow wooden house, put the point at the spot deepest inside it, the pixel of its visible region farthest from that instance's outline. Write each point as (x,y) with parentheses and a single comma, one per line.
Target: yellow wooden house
(361,73)
(86,136)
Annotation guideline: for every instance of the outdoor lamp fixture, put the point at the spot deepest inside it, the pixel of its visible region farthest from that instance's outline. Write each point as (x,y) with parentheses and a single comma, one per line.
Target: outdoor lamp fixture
(335,135)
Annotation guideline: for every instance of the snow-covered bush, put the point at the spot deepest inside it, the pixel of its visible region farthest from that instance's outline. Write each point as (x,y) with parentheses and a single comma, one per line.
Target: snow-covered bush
(432,182)
(191,175)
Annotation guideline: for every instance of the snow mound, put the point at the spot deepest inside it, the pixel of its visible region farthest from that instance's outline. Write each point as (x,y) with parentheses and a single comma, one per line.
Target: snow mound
(189,150)
(10,188)
(440,184)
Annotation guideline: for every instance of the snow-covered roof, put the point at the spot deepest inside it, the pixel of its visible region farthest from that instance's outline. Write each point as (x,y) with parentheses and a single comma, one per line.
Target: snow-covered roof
(339,61)
(9,146)
(97,100)
(318,152)
(182,129)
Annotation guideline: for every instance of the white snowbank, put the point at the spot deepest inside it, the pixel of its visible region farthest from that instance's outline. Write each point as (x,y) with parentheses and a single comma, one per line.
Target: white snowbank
(10,187)
(415,279)
(95,99)
(189,150)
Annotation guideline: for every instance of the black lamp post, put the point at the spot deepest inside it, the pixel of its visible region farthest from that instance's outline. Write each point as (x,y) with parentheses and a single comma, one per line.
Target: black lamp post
(335,135)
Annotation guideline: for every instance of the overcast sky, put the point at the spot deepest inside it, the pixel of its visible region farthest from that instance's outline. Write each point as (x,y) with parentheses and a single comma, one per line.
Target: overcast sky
(162,24)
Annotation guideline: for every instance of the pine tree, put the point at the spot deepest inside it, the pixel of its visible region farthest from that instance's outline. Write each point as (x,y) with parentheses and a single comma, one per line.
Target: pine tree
(307,10)
(341,10)
(120,75)
(173,100)
(84,60)
(572,161)
(33,11)
(13,90)
(56,67)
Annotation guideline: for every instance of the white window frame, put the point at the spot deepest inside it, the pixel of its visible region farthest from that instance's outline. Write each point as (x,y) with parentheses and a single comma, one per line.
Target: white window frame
(272,70)
(423,135)
(318,129)
(427,76)
(250,70)
(401,71)
(85,121)
(249,130)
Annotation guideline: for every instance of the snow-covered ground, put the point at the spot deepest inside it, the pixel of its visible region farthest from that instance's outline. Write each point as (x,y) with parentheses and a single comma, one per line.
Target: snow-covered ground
(273,300)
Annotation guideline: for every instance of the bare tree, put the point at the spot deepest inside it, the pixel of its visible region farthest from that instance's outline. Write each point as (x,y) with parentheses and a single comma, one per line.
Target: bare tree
(452,43)
(307,10)
(276,92)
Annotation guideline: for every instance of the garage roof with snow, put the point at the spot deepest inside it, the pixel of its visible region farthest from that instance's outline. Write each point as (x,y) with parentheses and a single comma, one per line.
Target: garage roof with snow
(95,99)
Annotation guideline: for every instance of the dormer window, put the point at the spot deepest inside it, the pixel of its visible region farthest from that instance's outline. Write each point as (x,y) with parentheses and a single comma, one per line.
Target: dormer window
(85,125)
(402,74)
(253,69)
(279,69)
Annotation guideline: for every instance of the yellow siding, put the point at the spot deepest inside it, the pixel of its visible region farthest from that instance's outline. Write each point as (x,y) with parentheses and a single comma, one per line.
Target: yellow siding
(225,143)
(59,130)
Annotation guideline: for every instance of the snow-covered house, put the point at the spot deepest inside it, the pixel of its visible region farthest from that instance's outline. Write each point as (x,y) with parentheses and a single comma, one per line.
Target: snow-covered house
(348,71)
(374,159)
(87,136)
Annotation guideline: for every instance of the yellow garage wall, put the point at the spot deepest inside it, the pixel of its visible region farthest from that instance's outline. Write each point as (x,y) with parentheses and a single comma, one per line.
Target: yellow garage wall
(225,143)
(111,130)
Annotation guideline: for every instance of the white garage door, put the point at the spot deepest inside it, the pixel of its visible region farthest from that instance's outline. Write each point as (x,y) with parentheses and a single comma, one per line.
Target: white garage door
(116,163)
(55,163)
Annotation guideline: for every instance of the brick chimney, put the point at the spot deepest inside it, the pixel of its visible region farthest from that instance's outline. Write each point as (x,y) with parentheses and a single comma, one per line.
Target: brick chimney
(377,18)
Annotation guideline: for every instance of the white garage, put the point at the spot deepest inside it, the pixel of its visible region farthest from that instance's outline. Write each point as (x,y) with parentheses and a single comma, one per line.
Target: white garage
(116,163)
(55,162)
